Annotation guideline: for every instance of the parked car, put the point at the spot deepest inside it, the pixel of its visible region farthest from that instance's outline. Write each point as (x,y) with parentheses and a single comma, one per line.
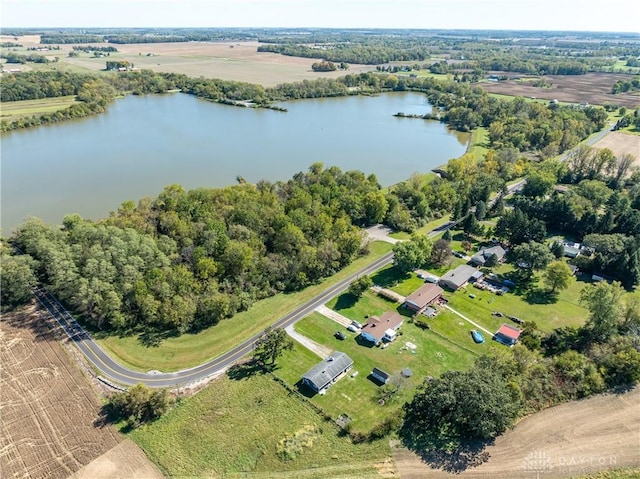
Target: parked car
(477,336)
(430,279)
(352,328)
(356,324)
(340,335)
(457,254)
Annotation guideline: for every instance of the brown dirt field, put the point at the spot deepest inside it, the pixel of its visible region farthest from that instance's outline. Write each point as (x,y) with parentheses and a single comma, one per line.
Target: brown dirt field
(48,406)
(237,61)
(568,440)
(125,461)
(594,88)
(621,143)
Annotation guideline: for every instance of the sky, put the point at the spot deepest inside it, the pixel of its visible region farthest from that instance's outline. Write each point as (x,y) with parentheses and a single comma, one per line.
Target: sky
(578,15)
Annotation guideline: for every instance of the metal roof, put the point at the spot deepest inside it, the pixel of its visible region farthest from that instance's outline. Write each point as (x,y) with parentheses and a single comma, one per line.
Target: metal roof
(327,370)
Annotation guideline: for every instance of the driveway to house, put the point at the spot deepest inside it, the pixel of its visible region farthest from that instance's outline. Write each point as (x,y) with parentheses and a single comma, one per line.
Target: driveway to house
(468,320)
(331,314)
(310,344)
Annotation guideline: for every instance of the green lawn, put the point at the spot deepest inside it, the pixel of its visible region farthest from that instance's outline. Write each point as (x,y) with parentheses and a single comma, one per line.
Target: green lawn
(234,426)
(478,144)
(369,304)
(357,396)
(529,305)
(190,350)
(430,226)
(16,109)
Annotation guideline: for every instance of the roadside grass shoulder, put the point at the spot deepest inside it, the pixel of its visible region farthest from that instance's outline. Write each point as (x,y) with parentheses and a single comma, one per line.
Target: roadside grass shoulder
(189,350)
(358,396)
(219,432)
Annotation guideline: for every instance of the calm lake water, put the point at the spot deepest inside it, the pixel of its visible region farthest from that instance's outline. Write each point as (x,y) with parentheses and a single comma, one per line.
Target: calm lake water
(144,143)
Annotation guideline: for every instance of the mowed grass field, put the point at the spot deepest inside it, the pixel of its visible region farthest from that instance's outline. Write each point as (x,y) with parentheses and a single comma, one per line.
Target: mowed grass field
(16,109)
(234,428)
(189,350)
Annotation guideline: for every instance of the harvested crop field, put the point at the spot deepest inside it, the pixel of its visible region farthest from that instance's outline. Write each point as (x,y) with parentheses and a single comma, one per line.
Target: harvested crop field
(125,461)
(237,61)
(621,144)
(573,439)
(593,88)
(48,405)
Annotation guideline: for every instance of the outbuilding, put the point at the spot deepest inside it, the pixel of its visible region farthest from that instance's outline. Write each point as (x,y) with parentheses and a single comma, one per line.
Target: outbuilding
(380,376)
(507,335)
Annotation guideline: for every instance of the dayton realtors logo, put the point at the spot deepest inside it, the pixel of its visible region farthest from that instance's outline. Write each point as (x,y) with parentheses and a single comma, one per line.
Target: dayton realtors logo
(539,462)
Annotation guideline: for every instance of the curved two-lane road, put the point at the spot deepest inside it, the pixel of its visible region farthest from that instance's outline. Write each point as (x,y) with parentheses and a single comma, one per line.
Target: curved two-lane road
(117,373)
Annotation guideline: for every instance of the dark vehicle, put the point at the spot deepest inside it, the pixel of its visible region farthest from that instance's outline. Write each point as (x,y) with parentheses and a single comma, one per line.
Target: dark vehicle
(340,335)
(477,336)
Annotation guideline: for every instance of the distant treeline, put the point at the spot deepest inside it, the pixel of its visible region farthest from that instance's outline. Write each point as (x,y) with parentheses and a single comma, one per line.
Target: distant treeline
(91,48)
(364,54)
(70,38)
(11,57)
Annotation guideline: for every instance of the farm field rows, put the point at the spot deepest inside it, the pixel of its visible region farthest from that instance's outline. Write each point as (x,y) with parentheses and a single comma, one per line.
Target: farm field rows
(594,88)
(48,406)
(621,144)
(12,110)
(569,440)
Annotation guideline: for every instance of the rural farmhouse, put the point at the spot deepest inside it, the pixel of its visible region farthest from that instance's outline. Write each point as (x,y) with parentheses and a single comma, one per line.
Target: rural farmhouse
(322,376)
(382,328)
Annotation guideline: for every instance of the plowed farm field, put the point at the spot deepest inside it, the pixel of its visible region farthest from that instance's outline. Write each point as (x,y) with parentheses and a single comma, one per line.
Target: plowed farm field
(47,406)
(569,440)
(592,88)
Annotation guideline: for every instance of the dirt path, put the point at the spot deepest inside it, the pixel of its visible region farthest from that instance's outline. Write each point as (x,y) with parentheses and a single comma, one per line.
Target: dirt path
(573,439)
(331,314)
(125,461)
(308,343)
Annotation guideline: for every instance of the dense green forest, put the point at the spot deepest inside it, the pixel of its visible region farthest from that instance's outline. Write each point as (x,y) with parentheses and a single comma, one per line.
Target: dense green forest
(188,259)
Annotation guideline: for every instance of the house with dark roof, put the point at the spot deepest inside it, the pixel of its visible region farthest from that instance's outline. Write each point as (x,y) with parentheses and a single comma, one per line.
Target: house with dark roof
(383,328)
(322,376)
(458,277)
(482,256)
(507,335)
(423,297)
(380,376)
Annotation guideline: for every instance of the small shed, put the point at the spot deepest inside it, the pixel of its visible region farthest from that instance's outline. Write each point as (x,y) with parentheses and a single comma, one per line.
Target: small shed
(507,335)
(380,376)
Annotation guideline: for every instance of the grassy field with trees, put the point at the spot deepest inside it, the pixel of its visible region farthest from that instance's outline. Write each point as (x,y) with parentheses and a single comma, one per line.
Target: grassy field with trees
(288,438)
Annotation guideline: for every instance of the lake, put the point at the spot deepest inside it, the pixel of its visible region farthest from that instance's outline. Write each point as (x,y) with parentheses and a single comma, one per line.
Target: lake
(144,143)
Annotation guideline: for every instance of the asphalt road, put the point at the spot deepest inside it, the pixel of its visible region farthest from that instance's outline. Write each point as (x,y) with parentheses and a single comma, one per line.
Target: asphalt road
(119,374)
(115,372)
